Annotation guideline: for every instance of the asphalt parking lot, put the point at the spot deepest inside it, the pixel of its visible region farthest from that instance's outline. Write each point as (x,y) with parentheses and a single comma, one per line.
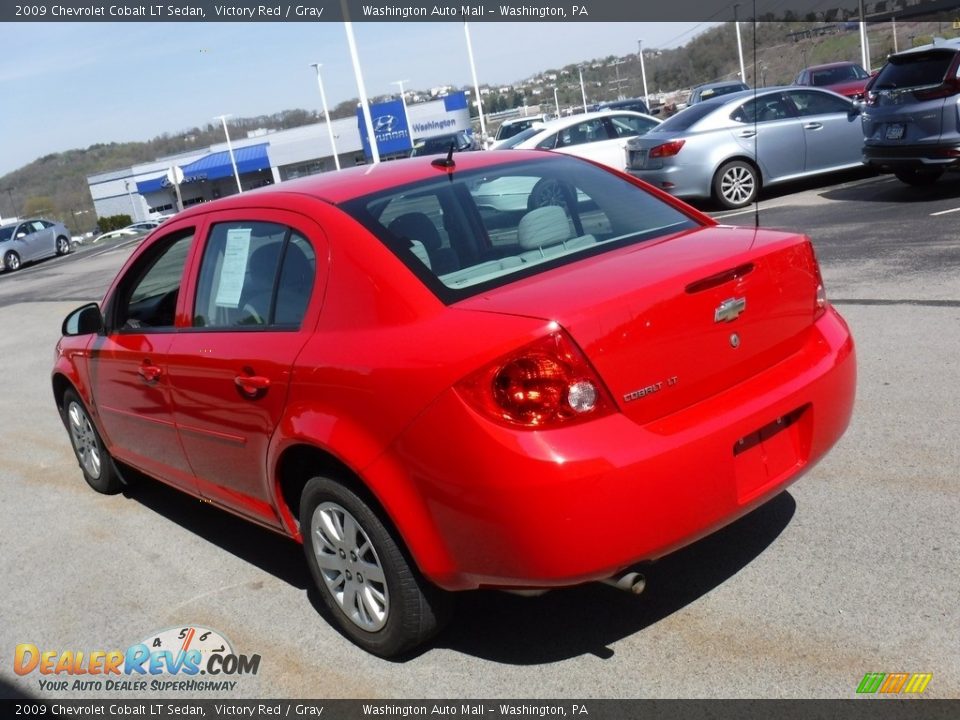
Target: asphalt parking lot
(853,570)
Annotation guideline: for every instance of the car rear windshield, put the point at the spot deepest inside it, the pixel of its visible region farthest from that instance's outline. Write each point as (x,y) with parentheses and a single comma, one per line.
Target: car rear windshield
(467,232)
(914,70)
(684,119)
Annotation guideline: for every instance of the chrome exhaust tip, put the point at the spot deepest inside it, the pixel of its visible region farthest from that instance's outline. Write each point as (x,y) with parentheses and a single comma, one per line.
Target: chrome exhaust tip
(631,582)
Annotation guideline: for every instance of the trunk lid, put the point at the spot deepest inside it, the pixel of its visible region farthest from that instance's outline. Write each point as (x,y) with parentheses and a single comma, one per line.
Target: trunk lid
(658,320)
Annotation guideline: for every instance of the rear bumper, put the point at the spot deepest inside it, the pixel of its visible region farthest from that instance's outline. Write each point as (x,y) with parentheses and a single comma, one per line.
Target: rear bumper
(678,180)
(911,156)
(513,508)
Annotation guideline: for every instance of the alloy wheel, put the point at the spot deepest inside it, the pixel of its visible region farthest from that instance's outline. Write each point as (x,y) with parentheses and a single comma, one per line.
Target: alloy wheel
(84,440)
(350,566)
(738,185)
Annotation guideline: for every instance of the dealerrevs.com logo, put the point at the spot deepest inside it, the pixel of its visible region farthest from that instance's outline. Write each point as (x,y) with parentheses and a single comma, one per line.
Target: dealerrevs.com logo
(167,661)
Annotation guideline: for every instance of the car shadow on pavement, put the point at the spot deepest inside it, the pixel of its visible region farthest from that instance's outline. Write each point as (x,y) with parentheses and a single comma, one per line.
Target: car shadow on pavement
(270,552)
(497,626)
(894,191)
(586,619)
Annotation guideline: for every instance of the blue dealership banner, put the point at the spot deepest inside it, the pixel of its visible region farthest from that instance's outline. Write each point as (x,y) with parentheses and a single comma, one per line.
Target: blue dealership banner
(389,128)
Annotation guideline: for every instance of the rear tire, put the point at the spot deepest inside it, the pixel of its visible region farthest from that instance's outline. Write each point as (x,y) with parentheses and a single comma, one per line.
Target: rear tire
(378,597)
(918,178)
(11,261)
(95,461)
(736,184)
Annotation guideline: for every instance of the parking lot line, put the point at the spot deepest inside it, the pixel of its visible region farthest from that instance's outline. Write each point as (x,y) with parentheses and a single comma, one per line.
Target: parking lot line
(945,212)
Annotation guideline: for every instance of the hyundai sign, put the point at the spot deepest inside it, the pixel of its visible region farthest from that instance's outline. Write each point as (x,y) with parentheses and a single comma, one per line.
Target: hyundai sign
(389,128)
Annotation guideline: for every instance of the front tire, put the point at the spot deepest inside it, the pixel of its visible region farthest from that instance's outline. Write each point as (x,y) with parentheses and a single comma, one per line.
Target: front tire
(63,245)
(95,461)
(916,177)
(11,261)
(736,184)
(379,599)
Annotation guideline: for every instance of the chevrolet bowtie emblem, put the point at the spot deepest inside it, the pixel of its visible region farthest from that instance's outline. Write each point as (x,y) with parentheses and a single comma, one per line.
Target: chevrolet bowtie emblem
(729,310)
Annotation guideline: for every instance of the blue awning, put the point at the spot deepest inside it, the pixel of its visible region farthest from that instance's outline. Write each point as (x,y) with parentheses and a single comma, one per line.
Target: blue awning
(214,166)
(251,158)
(152,185)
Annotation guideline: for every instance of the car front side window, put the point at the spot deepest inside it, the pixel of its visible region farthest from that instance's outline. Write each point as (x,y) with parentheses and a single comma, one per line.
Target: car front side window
(147,296)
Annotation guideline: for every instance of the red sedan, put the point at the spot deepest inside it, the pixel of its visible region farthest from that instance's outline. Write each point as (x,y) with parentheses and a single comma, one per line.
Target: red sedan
(510,370)
(843,78)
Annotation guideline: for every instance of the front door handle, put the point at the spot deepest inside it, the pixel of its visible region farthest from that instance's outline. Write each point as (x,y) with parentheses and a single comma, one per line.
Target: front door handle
(149,373)
(813,126)
(252,386)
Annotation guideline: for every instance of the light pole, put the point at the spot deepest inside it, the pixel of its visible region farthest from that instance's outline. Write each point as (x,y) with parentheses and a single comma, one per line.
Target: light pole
(326,115)
(736,24)
(361,88)
(556,100)
(233,160)
(133,207)
(864,40)
(476,85)
(403,101)
(583,91)
(643,74)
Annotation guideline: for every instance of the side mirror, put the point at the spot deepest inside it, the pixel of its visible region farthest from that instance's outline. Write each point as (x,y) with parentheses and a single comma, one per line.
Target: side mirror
(85,320)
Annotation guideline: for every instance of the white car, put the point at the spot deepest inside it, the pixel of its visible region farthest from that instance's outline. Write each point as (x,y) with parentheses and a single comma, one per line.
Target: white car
(598,136)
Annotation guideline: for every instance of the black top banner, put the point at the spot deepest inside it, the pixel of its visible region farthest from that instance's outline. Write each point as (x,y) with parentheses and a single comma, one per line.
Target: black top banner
(463,10)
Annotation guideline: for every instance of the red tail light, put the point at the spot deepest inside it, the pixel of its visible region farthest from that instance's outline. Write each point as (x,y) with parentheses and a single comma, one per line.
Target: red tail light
(950,86)
(546,384)
(820,297)
(667,149)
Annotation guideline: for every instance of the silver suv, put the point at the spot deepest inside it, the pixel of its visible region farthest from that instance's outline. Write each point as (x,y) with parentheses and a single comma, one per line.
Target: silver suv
(911,124)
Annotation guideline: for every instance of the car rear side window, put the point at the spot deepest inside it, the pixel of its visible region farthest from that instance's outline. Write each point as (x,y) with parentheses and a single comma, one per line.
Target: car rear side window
(475,230)
(254,275)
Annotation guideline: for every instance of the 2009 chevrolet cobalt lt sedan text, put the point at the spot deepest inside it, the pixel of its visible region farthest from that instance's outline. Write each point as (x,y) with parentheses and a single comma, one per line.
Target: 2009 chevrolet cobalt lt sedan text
(511,370)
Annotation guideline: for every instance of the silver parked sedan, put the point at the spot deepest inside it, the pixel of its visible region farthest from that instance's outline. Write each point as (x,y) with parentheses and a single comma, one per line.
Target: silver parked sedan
(731,146)
(30,240)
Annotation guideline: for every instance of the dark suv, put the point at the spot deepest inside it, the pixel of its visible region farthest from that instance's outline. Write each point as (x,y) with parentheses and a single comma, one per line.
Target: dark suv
(910,122)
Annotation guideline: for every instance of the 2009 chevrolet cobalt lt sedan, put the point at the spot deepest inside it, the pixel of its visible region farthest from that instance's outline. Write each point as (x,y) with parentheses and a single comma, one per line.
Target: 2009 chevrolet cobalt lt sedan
(511,370)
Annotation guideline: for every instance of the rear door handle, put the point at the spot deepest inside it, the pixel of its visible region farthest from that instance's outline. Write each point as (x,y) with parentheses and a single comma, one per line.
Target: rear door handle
(252,386)
(747,133)
(149,373)
(812,126)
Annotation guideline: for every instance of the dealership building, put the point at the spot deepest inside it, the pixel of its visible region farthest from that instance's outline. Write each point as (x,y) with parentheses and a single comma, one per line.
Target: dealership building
(267,157)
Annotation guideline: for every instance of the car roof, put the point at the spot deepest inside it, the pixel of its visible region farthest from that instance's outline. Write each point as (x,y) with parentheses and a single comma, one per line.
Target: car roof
(342,186)
(721,83)
(828,66)
(939,44)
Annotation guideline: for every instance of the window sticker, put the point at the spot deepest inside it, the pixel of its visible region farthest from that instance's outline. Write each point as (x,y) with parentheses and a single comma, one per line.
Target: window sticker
(234,267)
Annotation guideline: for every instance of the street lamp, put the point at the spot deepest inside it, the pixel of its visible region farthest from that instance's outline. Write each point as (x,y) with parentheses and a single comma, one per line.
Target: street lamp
(556,100)
(403,101)
(583,92)
(476,85)
(233,160)
(736,24)
(643,74)
(361,87)
(133,207)
(326,115)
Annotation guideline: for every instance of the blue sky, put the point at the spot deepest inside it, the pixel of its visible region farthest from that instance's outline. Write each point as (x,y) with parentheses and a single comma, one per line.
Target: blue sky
(87,83)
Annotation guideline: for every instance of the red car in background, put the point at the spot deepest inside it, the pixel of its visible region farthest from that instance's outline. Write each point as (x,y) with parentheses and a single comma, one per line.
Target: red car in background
(506,370)
(843,78)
